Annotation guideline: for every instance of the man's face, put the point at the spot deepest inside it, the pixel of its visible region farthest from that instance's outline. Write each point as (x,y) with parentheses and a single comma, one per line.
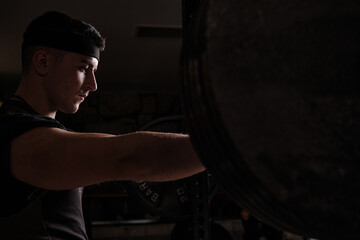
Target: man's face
(69,81)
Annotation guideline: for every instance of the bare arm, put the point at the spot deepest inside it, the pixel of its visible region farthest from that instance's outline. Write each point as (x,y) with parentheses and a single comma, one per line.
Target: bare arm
(55,159)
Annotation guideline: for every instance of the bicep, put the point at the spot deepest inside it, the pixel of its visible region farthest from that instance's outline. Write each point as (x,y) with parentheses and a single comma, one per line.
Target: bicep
(52,158)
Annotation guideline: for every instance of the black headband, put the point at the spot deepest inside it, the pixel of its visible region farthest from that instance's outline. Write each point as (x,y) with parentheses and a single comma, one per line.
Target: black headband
(66,41)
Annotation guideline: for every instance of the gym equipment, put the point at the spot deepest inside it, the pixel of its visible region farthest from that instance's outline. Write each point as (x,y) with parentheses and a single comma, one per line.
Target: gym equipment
(270,91)
(168,199)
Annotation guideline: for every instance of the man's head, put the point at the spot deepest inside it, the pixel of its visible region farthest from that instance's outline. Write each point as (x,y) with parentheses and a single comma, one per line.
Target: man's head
(59,31)
(60,56)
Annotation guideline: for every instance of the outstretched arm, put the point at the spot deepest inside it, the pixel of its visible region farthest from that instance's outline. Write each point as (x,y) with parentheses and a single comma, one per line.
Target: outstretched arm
(55,159)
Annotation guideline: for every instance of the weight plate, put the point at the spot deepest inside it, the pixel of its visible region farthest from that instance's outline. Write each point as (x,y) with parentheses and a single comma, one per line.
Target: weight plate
(168,199)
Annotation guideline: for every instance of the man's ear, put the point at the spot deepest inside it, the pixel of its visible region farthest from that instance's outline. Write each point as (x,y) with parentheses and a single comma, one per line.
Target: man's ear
(41,62)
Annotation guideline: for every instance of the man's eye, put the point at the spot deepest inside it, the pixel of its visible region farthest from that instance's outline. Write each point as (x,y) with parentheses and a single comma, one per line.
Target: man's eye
(83,68)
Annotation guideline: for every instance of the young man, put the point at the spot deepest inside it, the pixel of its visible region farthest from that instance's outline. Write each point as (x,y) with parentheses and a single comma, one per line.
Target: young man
(42,161)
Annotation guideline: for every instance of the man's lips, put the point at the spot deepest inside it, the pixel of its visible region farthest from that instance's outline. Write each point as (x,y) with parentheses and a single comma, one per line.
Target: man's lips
(83,96)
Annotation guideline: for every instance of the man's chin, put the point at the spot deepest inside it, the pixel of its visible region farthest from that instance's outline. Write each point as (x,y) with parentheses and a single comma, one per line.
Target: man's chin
(72,110)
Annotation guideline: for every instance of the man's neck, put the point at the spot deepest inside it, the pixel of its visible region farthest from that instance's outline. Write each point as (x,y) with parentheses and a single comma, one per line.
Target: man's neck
(36,99)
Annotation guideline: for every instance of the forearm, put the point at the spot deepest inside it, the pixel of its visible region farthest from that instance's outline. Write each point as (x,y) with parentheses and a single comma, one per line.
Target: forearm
(162,157)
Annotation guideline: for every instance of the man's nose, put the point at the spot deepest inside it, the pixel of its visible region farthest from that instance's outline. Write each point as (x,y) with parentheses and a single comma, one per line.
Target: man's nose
(91,82)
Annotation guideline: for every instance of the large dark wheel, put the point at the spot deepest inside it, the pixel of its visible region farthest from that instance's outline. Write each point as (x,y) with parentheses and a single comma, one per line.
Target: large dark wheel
(271,96)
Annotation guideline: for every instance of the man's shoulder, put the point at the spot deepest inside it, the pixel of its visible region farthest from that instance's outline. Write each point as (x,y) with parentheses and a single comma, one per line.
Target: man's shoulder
(27,118)
(17,112)
(15,124)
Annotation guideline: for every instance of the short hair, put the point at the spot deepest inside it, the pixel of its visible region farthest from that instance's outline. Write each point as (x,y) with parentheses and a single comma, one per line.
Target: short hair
(57,30)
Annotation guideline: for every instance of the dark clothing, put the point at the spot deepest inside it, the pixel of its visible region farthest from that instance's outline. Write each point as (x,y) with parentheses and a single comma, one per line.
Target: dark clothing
(61,211)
